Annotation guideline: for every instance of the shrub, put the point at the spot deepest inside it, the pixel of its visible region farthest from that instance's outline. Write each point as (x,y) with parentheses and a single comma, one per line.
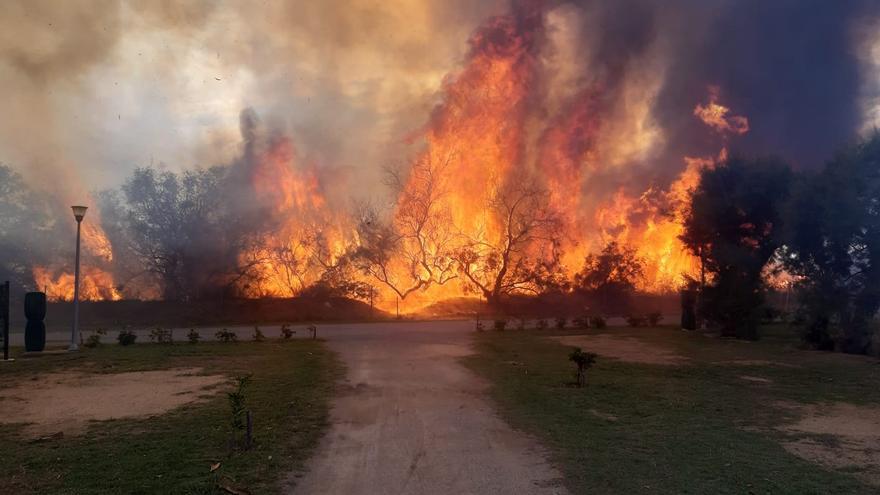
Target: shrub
(583,361)
(561,322)
(160,336)
(94,340)
(126,337)
(258,335)
(193,336)
(239,419)
(598,322)
(542,324)
(654,318)
(500,325)
(635,321)
(226,336)
(286,332)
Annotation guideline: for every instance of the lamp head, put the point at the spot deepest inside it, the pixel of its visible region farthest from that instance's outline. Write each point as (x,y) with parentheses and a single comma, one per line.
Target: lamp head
(79,212)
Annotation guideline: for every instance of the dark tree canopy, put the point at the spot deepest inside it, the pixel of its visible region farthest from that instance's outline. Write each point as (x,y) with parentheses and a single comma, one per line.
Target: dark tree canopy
(734,225)
(611,276)
(832,239)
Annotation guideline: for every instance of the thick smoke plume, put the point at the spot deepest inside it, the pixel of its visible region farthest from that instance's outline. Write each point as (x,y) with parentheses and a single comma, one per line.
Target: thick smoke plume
(610,106)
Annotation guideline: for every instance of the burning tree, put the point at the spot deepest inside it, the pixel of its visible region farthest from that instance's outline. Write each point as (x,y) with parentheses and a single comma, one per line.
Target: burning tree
(519,253)
(414,250)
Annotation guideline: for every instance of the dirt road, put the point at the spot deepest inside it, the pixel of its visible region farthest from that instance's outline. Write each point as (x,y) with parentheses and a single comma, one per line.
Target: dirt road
(411,419)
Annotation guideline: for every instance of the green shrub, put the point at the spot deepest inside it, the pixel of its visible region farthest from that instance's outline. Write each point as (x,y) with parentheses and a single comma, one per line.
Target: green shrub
(193,336)
(226,336)
(94,340)
(161,336)
(126,337)
(583,361)
(654,318)
(286,332)
(635,321)
(581,322)
(258,335)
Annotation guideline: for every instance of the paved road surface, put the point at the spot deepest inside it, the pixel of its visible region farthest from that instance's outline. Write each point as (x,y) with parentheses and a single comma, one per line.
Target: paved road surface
(412,420)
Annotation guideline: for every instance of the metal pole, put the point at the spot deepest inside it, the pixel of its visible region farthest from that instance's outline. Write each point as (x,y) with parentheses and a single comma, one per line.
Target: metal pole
(4,311)
(74,334)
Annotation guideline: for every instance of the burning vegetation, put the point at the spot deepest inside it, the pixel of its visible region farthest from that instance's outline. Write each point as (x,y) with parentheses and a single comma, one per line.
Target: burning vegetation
(559,156)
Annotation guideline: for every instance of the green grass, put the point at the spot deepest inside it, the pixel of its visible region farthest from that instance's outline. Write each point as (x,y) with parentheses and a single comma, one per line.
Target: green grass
(695,428)
(172,453)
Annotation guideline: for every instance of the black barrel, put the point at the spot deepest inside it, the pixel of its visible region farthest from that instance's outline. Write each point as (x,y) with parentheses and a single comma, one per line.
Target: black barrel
(35,305)
(34,336)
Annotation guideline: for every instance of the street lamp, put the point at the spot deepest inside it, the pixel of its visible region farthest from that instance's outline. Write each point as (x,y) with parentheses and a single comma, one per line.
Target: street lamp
(79,212)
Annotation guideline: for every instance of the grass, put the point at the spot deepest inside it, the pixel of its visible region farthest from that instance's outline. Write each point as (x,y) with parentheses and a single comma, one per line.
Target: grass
(172,453)
(695,428)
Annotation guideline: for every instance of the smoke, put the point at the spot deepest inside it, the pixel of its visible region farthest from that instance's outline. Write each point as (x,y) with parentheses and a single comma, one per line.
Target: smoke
(598,96)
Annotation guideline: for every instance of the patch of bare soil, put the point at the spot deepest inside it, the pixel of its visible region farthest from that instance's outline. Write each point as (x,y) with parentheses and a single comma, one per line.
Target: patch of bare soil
(840,436)
(68,401)
(628,349)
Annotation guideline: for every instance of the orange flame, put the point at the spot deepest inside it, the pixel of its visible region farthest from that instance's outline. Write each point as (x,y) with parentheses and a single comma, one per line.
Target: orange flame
(95,284)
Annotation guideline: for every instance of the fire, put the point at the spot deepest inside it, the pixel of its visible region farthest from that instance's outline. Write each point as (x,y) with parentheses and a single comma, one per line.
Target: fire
(309,235)
(493,126)
(95,284)
(716,116)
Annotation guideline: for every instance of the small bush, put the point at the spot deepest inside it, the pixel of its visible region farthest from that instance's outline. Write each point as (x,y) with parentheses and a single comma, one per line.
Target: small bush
(226,336)
(583,361)
(94,340)
(258,335)
(126,337)
(239,419)
(160,336)
(500,325)
(581,322)
(635,321)
(193,336)
(542,324)
(286,332)
(598,322)
(561,322)
(654,318)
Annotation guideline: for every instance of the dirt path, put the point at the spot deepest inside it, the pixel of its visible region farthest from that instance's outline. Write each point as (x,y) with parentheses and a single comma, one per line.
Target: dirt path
(413,420)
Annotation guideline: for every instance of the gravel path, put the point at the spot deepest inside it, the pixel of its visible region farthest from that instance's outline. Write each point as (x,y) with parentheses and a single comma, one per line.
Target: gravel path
(411,419)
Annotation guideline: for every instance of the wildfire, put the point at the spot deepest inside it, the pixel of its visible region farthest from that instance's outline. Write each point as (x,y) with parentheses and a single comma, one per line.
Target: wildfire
(489,131)
(95,284)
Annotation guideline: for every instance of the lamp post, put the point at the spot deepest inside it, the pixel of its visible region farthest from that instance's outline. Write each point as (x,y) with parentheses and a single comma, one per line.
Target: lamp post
(79,212)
